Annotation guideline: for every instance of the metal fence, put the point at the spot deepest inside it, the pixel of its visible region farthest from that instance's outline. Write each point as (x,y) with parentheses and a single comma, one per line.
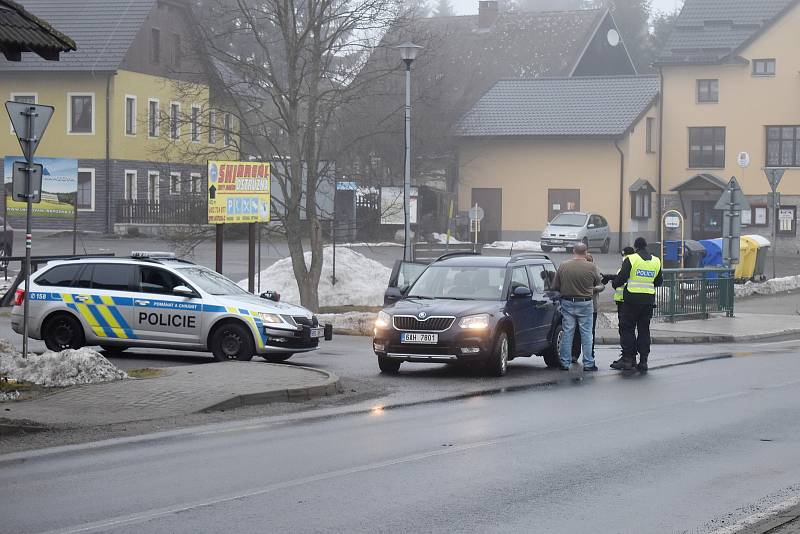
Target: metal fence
(695,293)
(166,211)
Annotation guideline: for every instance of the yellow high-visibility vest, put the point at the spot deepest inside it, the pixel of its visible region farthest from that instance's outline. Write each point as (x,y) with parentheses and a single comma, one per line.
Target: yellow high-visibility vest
(619,293)
(643,274)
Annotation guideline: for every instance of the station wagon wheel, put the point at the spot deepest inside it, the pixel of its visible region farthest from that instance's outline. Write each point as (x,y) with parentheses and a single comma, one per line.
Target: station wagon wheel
(232,341)
(61,332)
(498,361)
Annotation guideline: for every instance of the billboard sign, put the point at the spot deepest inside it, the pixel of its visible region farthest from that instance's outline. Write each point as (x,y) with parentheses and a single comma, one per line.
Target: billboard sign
(238,192)
(59,190)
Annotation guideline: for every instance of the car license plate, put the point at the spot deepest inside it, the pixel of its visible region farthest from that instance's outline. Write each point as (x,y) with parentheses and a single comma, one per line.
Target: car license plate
(318,332)
(557,241)
(420,338)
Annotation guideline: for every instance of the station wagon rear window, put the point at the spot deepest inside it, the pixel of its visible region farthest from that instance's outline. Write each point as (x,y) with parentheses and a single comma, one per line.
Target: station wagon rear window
(62,275)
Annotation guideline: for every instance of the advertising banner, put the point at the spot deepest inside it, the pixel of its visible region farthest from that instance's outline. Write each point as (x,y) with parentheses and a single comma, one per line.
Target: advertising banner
(238,192)
(59,188)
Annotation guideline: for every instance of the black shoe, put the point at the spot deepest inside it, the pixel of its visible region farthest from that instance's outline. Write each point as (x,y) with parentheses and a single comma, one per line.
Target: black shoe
(564,368)
(575,359)
(642,367)
(592,368)
(623,364)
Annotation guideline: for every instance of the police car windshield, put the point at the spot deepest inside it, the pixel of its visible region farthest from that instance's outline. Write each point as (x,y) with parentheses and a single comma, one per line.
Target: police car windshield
(210,281)
(569,219)
(470,283)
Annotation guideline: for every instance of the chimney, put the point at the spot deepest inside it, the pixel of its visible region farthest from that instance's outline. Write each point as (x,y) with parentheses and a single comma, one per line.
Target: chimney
(487,13)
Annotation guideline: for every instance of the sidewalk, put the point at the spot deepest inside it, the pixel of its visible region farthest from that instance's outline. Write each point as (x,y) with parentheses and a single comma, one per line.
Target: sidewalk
(718,329)
(182,391)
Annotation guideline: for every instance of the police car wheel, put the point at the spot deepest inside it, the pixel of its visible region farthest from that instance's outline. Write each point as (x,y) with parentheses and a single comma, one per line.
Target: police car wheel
(547,248)
(61,332)
(277,357)
(232,341)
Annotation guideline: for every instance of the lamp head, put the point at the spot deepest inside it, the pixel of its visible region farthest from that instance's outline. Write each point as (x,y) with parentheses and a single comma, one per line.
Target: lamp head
(408,51)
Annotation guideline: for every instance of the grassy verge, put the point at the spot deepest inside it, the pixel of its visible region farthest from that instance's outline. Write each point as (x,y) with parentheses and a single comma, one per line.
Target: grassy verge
(146,372)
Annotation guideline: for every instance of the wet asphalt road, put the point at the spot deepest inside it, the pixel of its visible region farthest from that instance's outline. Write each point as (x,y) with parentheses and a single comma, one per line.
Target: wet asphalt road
(666,452)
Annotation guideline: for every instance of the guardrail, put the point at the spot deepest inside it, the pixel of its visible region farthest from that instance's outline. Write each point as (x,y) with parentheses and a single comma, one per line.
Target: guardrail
(695,294)
(36,261)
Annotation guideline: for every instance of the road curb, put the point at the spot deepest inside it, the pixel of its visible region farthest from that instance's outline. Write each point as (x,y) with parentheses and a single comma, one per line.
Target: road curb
(330,386)
(704,338)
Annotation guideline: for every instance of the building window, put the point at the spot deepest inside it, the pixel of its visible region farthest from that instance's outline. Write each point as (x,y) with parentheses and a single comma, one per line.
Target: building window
(176,50)
(707,148)
(130,115)
(174,120)
(764,67)
(212,127)
(708,90)
(155,46)
(153,186)
(783,146)
(196,183)
(24,98)
(195,124)
(80,110)
(152,117)
(86,189)
(649,125)
(131,185)
(787,221)
(174,183)
(641,201)
(228,128)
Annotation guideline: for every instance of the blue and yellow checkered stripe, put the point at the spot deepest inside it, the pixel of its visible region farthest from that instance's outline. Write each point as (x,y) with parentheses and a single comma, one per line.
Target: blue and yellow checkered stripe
(101,314)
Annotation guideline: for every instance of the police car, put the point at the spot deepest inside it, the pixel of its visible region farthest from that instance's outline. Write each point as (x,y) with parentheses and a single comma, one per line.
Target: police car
(155,300)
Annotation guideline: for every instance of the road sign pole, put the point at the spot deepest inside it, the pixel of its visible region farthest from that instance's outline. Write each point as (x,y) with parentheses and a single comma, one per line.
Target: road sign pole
(31,114)
(774,227)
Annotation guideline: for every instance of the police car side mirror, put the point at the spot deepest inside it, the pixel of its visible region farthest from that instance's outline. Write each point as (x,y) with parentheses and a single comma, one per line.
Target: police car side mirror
(183,291)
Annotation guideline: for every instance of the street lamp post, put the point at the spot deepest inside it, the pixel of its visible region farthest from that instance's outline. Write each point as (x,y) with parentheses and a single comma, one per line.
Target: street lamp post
(408,51)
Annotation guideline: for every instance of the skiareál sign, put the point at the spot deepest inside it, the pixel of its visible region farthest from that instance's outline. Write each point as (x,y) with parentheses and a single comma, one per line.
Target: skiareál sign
(238,192)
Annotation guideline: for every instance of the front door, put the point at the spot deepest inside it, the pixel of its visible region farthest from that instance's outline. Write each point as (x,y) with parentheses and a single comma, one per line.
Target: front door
(159,314)
(706,221)
(491,200)
(522,313)
(561,200)
(543,307)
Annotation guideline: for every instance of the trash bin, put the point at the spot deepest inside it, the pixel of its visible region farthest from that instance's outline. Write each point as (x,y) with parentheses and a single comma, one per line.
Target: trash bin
(748,250)
(759,273)
(713,257)
(694,253)
(672,254)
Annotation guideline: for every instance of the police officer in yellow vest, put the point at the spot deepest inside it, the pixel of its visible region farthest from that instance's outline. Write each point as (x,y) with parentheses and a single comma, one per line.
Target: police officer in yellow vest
(619,294)
(640,275)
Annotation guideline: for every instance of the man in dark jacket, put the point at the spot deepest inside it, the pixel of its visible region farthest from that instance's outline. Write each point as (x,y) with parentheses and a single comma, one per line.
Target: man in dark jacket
(640,275)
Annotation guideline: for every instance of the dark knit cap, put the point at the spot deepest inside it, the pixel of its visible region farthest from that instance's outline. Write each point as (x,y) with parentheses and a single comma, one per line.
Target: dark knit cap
(640,243)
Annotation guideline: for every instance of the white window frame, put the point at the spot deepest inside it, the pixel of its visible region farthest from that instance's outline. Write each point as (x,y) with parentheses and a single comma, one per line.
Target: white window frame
(177,118)
(94,182)
(212,127)
(194,128)
(158,121)
(157,196)
(176,190)
(69,112)
(12,98)
(196,185)
(135,115)
(135,188)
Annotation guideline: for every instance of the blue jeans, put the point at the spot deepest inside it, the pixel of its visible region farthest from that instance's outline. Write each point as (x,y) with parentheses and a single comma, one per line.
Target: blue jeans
(579,313)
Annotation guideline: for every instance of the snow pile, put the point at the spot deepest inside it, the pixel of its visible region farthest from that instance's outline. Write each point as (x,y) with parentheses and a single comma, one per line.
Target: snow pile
(350,323)
(770,287)
(442,239)
(360,281)
(9,395)
(370,245)
(58,369)
(534,246)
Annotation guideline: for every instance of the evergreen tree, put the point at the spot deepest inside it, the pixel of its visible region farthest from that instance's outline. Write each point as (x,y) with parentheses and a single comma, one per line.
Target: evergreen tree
(443,9)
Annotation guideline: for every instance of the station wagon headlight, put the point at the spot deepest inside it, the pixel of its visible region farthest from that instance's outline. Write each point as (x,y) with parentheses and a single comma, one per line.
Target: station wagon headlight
(383,320)
(271,318)
(475,322)
(572,236)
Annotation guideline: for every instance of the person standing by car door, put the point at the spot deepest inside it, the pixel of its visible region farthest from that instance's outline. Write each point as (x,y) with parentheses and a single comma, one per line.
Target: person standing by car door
(619,298)
(575,280)
(576,343)
(640,274)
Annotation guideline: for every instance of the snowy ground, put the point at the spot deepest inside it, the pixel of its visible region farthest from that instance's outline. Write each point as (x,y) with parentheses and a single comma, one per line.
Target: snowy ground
(770,287)
(442,239)
(533,246)
(57,369)
(360,281)
(350,323)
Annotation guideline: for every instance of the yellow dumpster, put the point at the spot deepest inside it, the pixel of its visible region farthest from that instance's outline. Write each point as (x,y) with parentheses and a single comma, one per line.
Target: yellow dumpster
(748,252)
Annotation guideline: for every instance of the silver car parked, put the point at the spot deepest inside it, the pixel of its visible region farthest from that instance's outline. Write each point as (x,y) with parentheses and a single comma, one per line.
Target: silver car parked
(570,228)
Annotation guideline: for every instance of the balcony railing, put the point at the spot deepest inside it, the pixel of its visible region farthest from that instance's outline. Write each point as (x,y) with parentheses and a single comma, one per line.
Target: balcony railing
(165,211)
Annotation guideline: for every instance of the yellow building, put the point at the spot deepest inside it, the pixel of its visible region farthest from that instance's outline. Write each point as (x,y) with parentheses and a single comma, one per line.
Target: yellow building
(132,105)
(533,148)
(731,85)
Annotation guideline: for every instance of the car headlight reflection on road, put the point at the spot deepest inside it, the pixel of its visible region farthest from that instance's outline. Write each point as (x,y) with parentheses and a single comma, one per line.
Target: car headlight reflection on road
(383,320)
(475,322)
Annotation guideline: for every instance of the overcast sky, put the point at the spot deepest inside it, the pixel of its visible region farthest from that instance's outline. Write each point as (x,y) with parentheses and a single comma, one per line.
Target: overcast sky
(470,7)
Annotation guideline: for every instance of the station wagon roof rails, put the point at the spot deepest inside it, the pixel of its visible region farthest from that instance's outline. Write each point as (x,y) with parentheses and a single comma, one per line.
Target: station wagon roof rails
(529,255)
(455,254)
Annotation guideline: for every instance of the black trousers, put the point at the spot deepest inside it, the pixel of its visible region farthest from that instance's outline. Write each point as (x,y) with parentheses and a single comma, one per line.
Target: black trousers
(634,326)
(576,341)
